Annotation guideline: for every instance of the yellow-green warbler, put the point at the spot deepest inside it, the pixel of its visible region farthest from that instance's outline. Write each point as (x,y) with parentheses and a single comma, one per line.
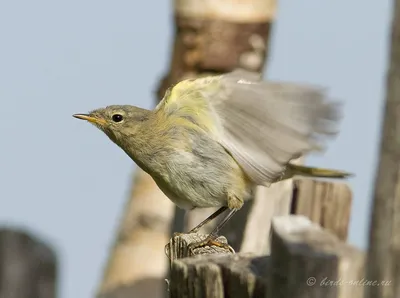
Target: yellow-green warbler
(211,140)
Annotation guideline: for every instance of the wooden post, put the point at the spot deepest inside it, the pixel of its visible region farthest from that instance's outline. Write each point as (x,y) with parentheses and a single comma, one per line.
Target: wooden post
(28,267)
(325,203)
(219,276)
(306,261)
(384,241)
(137,263)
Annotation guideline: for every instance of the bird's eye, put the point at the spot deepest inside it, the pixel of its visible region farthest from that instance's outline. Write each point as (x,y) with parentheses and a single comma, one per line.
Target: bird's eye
(117,118)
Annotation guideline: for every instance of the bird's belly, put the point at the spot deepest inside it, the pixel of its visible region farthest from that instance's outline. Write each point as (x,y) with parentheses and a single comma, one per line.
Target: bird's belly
(181,202)
(192,181)
(190,196)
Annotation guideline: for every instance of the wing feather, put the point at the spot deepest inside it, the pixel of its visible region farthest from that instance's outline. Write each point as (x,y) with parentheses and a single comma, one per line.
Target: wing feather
(264,125)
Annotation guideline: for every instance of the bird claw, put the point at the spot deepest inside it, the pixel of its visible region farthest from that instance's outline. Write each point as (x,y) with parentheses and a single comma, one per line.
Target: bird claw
(209,241)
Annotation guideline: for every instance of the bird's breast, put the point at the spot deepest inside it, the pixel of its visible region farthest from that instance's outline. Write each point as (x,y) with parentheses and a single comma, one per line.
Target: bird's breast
(200,174)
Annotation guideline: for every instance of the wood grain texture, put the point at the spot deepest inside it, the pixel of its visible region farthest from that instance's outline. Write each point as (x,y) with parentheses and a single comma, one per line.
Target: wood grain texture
(219,276)
(325,203)
(306,260)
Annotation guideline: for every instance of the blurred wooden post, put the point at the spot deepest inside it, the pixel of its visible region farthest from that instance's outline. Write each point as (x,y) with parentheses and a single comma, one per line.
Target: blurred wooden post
(216,36)
(384,242)
(137,263)
(28,267)
(305,261)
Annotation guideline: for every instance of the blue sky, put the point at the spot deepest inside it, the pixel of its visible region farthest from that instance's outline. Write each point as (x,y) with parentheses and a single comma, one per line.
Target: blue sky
(67,183)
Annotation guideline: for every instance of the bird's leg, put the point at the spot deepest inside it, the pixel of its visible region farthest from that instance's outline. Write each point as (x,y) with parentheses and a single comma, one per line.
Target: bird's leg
(198,227)
(211,239)
(204,222)
(208,219)
(234,204)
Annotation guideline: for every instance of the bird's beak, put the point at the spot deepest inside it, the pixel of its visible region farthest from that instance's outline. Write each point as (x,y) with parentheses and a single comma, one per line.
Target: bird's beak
(89,118)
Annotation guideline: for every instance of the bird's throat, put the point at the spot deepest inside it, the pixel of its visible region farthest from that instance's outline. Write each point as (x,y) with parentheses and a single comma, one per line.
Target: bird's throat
(142,147)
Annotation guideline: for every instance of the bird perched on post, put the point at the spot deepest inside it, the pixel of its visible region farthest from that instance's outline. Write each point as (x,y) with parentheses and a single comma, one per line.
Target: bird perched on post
(212,139)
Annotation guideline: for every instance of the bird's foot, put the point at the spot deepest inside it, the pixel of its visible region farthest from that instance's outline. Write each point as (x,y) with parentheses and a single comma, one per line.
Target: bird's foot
(209,241)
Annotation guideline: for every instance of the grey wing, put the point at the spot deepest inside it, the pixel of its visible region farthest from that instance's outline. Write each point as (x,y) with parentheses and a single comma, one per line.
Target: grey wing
(264,125)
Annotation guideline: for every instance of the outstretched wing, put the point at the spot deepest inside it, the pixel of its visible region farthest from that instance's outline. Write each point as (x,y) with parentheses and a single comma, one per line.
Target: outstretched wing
(262,124)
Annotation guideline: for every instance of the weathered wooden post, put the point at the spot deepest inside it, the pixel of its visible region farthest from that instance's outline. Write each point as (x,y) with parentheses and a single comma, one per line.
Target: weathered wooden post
(306,261)
(28,267)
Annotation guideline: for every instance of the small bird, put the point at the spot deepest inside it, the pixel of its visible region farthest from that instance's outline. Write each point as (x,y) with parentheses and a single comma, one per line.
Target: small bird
(211,140)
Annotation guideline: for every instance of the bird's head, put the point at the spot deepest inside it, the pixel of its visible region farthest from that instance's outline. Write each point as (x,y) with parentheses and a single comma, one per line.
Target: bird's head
(118,122)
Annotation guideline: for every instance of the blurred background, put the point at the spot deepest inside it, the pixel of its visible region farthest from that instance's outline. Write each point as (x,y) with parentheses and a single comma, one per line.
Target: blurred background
(65,182)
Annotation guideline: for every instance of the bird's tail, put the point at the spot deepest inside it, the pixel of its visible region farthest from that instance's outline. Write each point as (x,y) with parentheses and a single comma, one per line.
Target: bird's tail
(317,172)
